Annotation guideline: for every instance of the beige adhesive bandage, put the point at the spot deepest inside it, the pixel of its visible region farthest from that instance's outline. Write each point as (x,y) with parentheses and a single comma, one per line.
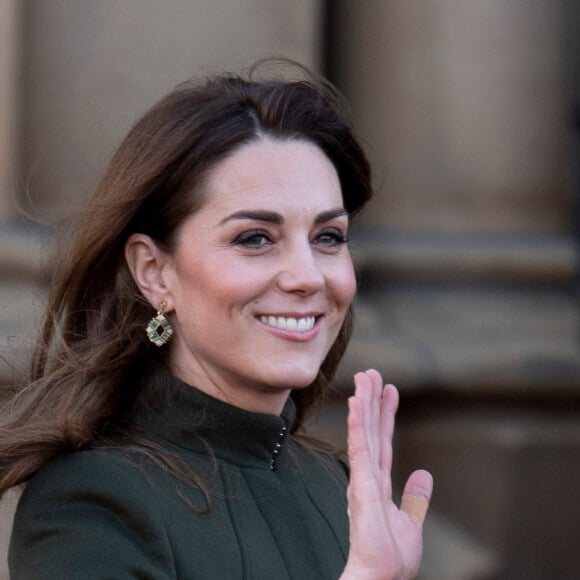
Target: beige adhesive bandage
(415,506)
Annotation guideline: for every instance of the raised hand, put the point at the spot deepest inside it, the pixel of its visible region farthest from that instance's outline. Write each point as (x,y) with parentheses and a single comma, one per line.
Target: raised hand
(385,541)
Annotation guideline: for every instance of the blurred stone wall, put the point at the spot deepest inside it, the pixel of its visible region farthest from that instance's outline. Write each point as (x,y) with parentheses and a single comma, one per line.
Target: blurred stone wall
(468,268)
(467,259)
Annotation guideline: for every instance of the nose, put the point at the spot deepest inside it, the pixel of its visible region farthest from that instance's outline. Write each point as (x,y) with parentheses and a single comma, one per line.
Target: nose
(300,271)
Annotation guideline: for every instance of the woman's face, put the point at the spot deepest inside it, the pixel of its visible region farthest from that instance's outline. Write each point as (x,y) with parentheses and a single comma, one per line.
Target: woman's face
(261,277)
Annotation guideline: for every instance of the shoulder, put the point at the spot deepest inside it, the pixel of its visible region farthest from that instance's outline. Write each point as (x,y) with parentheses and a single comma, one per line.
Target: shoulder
(101,485)
(106,487)
(85,508)
(98,469)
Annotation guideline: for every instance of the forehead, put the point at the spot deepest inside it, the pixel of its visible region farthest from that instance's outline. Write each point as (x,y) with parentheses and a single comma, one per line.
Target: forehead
(273,174)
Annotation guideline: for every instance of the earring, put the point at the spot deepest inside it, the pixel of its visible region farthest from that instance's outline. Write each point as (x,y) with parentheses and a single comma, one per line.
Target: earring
(159,330)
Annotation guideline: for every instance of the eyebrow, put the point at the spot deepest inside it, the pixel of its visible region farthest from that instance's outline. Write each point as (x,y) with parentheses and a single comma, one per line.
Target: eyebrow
(275,218)
(329,215)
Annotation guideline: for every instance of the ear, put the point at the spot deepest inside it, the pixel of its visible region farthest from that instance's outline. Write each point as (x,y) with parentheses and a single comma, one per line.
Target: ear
(148,265)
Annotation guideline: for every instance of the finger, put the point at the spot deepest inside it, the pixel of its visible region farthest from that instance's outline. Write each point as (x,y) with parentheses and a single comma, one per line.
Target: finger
(389,405)
(358,451)
(362,473)
(365,501)
(365,392)
(417,495)
(376,393)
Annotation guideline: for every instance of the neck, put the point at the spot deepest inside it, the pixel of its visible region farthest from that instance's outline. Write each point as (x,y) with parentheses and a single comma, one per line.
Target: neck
(265,400)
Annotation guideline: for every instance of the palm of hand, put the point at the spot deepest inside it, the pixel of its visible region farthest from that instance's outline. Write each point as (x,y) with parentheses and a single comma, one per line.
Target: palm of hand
(385,541)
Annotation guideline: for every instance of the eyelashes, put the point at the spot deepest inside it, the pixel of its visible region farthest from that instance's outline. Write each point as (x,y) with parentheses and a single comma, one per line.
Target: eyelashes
(331,237)
(253,239)
(258,239)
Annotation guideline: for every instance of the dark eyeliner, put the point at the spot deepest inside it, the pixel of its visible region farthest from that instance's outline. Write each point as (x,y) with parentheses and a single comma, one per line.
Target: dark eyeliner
(249,239)
(338,239)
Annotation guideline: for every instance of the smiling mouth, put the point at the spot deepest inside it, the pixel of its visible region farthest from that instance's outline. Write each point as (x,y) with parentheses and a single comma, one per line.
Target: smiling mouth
(289,323)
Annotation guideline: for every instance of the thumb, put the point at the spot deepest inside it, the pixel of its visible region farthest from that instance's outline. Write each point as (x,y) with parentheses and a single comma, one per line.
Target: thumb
(417,495)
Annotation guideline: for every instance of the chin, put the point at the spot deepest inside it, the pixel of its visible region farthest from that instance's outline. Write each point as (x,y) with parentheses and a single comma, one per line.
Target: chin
(294,378)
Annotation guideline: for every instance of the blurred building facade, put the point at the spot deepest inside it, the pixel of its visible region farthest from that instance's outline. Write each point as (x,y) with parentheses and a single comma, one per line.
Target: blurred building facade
(467,258)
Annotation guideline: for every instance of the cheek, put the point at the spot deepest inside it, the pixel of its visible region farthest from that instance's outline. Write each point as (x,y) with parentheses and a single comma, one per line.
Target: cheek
(219,289)
(344,284)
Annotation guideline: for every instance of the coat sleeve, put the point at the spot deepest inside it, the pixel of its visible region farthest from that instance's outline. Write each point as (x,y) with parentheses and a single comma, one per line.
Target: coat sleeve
(90,515)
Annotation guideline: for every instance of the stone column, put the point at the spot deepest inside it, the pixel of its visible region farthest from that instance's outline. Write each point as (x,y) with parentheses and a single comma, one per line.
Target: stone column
(461,104)
(9,110)
(9,61)
(94,67)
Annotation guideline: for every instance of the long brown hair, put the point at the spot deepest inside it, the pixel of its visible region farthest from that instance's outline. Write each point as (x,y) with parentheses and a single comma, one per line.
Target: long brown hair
(92,350)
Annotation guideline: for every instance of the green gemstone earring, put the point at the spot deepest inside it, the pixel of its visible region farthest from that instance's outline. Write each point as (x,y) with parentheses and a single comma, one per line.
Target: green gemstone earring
(159,330)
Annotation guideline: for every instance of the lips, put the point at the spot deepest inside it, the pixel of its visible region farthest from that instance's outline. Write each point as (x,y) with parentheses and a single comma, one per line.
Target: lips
(293,324)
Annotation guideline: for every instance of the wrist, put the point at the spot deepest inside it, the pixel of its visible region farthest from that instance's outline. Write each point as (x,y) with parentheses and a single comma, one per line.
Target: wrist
(358,572)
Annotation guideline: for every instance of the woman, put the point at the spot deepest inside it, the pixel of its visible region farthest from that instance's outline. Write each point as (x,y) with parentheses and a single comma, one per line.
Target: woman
(176,449)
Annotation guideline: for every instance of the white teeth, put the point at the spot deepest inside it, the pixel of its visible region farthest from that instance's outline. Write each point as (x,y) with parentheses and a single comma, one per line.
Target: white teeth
(292,324)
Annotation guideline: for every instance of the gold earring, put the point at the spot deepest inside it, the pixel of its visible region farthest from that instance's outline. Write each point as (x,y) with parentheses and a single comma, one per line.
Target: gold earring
(159,330)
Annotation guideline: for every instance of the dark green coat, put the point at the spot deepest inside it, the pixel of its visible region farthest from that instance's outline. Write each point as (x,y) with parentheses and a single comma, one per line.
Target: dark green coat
(279,509)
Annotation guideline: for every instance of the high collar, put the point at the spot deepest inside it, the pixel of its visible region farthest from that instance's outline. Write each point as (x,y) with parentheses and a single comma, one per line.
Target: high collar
(185,416)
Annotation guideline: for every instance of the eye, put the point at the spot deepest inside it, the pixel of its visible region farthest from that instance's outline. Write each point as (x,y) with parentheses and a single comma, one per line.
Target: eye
(253,239)
(331,238)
